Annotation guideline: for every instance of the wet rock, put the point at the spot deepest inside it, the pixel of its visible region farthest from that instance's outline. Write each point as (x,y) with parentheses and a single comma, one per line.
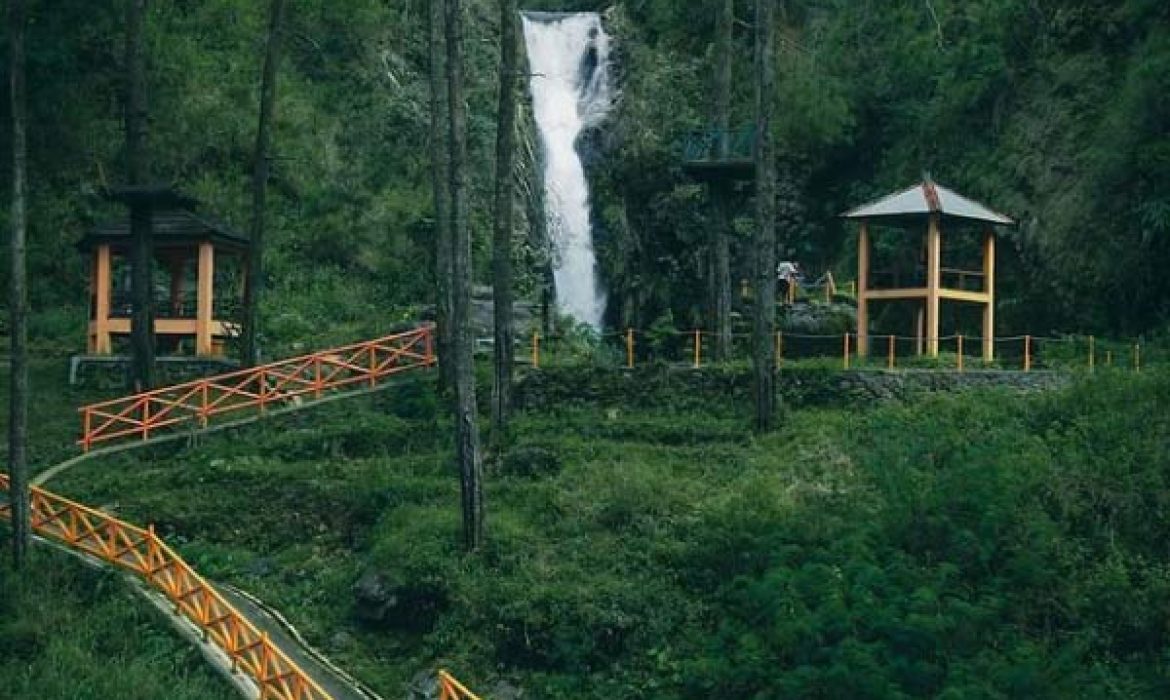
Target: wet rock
(382,601)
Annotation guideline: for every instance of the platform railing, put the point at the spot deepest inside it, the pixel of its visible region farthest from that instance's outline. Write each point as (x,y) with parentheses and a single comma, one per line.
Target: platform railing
(279,384)
(144,553)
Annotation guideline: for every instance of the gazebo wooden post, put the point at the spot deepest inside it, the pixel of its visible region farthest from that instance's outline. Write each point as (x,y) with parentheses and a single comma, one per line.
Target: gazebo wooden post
(100,339)
(205,299)
(989,290)
(863,248)
(933,282)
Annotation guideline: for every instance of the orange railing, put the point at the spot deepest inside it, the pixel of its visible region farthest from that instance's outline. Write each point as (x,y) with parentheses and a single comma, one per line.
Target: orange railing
(288,382)
(451,689)
(144,553)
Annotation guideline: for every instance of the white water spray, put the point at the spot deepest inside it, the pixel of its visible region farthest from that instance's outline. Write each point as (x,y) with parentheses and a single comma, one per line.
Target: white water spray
(569,59)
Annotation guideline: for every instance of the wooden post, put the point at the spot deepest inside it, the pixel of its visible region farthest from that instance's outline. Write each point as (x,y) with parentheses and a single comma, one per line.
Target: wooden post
(205,299)
(629,348)
(698,347)
(1092,353)
(1027,353)
(845,354)
(101,320)
(959,340)
(890,353)
(779,347)
(989,289)
(1137,357)
(933,282)
(863,250)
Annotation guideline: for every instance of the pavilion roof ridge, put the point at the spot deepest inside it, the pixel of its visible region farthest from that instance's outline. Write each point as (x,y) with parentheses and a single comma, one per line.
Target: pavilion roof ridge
(925,198)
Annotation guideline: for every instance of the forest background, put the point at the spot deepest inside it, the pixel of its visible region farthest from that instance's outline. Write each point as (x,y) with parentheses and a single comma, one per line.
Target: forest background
(1053,112)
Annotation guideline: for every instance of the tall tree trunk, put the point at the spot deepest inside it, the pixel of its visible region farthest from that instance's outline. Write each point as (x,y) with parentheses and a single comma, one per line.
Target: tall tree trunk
(18,295)
(466,429)
(255,287)
(138,173)
(440,179)
(721,193)
(764,326)
(502,235)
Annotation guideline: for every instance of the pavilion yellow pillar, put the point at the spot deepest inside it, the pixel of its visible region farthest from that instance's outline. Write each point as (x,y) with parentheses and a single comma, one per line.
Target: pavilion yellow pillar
(204,299)
(863,248)
(989,289)
(933,282)
(100,343)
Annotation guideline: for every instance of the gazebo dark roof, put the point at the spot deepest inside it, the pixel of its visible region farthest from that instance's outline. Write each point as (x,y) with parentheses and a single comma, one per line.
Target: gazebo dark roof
(170,226)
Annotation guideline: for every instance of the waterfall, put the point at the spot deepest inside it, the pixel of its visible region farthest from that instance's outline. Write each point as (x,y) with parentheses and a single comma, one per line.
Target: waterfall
(568,55)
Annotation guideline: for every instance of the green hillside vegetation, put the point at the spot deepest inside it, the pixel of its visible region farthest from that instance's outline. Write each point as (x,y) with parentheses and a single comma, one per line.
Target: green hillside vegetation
(986,544)
(64,627)
(976,543)
(1053,113)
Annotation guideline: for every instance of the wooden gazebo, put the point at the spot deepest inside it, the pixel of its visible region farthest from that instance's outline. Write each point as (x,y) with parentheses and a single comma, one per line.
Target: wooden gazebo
(930,205)
(188,245)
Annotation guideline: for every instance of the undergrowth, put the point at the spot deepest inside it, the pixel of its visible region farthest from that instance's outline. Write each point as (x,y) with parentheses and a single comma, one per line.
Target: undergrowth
(986,543)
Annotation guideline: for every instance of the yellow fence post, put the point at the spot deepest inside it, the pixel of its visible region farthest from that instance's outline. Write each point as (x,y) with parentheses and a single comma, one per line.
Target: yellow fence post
(1027,353)
(536,349)
(846,351)
(890,353)
(1092,352)
(630,348)
(959,340)
(779,347)
(1108,358)
(698,347)
(1137,357)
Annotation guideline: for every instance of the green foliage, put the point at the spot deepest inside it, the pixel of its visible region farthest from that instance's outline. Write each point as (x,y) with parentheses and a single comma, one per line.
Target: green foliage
(984,543)
(68,632)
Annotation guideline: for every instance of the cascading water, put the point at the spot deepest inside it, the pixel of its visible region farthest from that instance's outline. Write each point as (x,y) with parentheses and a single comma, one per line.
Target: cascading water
(568,55)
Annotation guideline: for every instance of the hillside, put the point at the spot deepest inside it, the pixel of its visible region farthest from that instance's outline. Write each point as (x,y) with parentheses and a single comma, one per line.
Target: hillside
(982,543)
(1051,112)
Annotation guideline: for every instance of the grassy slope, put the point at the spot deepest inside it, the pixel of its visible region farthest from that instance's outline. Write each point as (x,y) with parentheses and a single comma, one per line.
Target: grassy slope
(70,633)
(979,545)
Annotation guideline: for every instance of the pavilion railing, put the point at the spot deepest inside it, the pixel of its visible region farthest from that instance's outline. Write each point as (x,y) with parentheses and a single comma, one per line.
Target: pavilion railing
(142,552)
(279,384)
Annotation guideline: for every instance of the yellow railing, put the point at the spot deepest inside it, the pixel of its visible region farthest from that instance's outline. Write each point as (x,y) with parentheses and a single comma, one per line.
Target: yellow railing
(294,380)
(451,689)
(144,553)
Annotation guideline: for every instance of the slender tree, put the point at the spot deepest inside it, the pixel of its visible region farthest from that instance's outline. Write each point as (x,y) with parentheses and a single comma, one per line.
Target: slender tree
(721,192)
(466,429)
(255,287)
(764,243)
(440,179)
(138,173)
(18,294)
(502,234)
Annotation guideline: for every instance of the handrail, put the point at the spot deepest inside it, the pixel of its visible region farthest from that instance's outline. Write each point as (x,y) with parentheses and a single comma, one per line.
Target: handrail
(293,380)
(451,689)
(144,553)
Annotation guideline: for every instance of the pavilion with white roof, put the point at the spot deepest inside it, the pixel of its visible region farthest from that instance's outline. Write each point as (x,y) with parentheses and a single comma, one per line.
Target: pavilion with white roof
(932,204)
